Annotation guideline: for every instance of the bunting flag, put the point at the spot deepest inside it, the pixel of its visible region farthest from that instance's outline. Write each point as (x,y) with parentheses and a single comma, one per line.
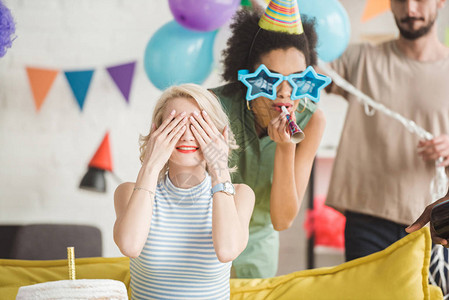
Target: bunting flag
(79,82)
(102,158)
(123,76)
(373,8)
(41,81)
(446,39)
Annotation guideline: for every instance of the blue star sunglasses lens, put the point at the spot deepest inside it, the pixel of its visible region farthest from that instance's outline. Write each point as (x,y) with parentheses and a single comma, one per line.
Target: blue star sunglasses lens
(263,83)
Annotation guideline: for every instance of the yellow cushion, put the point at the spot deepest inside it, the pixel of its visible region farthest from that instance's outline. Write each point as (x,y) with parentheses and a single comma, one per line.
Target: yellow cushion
(17,273)
(398,272)
(435,292)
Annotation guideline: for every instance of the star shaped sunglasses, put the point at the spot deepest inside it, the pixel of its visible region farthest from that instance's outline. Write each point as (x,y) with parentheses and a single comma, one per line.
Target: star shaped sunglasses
(264,83)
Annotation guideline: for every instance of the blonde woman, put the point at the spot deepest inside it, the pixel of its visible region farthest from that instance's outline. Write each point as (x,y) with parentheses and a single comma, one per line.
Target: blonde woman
(183,222)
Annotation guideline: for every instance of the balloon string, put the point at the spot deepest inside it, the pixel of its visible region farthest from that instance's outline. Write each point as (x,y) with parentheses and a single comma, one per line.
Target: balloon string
(439,184)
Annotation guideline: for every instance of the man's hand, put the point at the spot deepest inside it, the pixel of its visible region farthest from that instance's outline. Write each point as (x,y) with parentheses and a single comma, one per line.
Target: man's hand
(435,148)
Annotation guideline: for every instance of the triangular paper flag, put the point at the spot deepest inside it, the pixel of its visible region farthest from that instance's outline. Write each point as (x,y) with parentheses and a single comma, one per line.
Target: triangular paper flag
(41,81)
(79,82)
(446,40)
(374,8)
(102,158)
(123,77)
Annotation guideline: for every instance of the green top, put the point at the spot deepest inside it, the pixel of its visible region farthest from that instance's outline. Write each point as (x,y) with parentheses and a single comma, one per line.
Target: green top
(255,161)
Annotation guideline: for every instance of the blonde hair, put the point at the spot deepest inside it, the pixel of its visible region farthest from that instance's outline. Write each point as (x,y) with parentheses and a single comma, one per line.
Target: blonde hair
(205,100)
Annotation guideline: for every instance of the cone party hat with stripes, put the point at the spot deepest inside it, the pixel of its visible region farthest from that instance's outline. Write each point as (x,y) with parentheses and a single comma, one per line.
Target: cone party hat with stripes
(282,16)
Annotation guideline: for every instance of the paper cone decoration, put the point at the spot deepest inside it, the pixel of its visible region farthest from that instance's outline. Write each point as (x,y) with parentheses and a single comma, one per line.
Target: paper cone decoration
(41,81)
(102,158)
(79,82)
(123,77)
(374,8)
(282,16)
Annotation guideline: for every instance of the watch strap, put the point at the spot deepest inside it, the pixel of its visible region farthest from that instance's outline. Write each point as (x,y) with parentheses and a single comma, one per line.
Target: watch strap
(221,187)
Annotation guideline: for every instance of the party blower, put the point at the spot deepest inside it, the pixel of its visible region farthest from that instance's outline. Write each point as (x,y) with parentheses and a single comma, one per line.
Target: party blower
(296,134)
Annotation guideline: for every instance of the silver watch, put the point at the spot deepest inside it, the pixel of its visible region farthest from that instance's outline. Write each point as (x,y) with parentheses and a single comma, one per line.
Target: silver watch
(226,187)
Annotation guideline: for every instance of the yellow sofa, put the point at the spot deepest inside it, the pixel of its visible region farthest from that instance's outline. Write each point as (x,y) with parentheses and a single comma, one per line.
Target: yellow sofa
(398,272)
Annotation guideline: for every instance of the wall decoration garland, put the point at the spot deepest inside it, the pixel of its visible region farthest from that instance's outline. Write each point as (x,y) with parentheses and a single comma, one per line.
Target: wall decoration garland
(41,81)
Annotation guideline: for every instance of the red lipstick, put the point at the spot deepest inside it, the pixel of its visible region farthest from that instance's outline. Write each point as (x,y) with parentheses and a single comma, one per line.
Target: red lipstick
(186,149)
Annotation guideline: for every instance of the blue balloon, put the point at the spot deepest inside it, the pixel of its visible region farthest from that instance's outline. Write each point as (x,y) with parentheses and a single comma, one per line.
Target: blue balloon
(176,55)
(332,26)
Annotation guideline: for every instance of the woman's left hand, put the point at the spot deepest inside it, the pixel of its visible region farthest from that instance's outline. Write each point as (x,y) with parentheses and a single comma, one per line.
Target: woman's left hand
(213,143)
(278,129)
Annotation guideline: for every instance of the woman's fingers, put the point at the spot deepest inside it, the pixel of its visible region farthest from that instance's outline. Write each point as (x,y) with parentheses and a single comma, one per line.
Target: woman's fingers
(272,128)
(171,135)
(153,128)
(166,122)
(177,133)
(283,125)
(179,118)
(275,120)
(200,130)
(204,124)
(198,137)
(210,123)
(277,128)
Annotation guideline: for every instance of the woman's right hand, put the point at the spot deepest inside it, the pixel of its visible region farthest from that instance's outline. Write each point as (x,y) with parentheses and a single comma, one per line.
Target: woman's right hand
(278,130)
(163,140)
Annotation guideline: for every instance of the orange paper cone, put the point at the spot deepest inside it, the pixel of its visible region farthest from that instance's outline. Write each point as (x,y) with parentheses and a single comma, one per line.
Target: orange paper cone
(102,158)
(41,81)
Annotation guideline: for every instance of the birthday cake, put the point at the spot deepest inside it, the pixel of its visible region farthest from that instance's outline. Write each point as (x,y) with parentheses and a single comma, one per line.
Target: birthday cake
(75,289)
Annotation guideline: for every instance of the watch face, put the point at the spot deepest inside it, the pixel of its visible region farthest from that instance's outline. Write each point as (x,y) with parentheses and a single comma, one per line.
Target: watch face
(229,188)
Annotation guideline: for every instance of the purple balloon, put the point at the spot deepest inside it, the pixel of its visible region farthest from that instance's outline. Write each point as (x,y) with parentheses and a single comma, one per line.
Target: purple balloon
(203,15)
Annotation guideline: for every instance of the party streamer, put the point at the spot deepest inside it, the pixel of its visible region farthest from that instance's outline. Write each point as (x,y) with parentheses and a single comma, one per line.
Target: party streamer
(439,184)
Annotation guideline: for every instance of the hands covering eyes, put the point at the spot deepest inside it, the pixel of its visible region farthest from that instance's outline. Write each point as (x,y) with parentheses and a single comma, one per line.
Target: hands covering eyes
(213,143)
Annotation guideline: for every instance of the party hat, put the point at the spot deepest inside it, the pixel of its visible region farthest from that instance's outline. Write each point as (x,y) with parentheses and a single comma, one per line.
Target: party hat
(102,158)
(282,16)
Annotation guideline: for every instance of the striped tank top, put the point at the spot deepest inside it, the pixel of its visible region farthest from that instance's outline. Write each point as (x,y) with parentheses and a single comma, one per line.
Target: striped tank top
(178,260)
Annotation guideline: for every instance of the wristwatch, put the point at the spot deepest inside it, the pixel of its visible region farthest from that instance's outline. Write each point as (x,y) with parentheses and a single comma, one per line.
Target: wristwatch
(226,187)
